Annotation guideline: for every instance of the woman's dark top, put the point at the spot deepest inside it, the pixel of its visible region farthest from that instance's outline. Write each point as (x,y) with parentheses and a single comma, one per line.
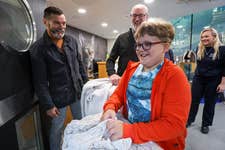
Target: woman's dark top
(207,67)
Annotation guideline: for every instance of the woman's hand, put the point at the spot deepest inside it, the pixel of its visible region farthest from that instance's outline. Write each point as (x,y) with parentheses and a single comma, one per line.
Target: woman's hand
(115,129)
(109,114)
(220,88)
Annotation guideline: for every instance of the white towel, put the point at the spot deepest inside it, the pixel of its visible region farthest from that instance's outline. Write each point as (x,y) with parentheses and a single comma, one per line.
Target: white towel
(89,133)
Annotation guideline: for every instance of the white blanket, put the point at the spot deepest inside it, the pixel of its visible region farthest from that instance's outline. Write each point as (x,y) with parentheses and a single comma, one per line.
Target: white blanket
(91,134)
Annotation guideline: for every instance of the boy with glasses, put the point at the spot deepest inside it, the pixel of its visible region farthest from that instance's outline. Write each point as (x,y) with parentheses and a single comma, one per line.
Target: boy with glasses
(153,95)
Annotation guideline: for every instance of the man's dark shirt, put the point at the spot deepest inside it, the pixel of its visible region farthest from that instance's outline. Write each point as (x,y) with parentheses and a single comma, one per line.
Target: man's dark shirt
(169,55)
(58,77)
(124,48)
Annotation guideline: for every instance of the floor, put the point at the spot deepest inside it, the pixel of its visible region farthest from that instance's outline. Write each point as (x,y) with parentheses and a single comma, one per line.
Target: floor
(215,139)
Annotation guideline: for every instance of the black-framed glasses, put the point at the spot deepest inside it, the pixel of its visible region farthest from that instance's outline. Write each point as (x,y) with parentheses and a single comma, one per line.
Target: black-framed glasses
(138,15)
(146,45)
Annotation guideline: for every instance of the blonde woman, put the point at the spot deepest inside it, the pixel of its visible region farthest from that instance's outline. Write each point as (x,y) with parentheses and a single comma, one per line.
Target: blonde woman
(209,78)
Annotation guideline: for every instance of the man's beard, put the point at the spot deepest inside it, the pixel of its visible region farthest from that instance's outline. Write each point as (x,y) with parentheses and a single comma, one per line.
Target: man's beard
(57,33)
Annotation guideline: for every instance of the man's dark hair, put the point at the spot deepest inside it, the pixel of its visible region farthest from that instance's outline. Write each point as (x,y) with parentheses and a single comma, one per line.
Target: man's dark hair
(52,11)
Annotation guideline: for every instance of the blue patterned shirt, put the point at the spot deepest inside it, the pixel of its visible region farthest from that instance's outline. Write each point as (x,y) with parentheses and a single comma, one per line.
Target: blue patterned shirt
(138,94)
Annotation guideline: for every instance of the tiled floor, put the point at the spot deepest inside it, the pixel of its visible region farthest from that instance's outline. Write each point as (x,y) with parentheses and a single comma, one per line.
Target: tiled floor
(215,139)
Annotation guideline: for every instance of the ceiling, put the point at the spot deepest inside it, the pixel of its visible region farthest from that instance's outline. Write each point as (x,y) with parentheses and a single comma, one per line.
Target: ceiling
(116,12)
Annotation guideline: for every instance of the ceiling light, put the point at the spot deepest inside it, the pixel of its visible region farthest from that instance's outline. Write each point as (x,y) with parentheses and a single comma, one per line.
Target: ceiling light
(148,1)
(104,24)
(179,26)
(115,31)
(206,27)
(81,11)
(215,10)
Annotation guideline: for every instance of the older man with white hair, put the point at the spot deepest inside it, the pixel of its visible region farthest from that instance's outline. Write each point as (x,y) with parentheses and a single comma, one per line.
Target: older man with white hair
(124,46)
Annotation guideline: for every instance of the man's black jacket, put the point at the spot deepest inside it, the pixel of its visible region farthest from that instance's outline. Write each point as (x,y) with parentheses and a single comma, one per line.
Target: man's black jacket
(57,75)
(124,48)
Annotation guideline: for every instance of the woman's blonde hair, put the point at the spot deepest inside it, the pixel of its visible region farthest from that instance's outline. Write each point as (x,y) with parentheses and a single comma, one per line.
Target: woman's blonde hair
(160,28)
(217,43)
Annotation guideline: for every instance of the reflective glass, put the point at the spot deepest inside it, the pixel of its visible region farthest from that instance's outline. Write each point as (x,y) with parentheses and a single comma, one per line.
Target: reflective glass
(181,42)
(16,25)
(188,28)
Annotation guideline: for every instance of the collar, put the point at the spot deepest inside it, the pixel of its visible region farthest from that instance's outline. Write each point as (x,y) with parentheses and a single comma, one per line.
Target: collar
(131,36)
(132,31)
(132,64)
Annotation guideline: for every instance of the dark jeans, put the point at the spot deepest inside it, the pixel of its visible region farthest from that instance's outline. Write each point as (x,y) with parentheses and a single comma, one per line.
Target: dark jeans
(57,125)
(52,128)
(204,87)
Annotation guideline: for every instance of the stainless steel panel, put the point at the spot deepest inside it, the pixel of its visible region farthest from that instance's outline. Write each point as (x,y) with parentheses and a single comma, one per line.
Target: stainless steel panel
(28,131)
(15,104)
